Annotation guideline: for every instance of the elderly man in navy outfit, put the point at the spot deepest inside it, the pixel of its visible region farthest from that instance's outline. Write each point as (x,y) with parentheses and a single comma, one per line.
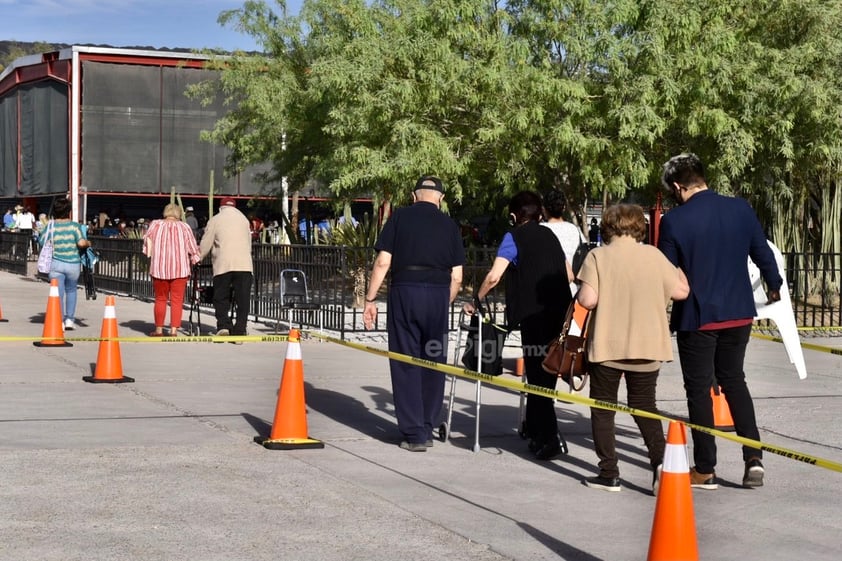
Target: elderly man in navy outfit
(422,247)
(711,237)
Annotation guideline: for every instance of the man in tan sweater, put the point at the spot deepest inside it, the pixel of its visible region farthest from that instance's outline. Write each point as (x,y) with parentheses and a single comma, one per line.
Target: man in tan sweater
(228,239)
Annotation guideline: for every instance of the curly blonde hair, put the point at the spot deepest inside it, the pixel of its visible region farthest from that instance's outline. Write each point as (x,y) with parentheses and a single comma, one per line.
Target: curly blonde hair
(172,210)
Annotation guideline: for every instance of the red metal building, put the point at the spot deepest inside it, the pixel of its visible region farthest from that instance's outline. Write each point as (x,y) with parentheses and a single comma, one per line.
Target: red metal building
(101,123)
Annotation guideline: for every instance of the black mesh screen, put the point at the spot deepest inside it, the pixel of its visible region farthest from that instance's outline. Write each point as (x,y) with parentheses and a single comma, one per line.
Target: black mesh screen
(187,161)
(140,133)
(121,108)
(43,139)
(8,145)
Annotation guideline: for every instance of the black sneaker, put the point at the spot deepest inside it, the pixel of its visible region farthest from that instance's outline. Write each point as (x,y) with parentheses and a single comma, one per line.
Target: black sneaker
(753,476)
(603,483)
(414,446)
(549,450)
(429,443)
(656,478)
(535,445)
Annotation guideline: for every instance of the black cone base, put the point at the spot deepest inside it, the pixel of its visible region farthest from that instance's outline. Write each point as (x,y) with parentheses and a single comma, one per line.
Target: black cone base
(288,443)
(94,380)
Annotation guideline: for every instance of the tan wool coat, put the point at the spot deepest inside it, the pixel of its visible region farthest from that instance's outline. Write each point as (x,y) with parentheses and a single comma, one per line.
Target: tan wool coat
(228,239)
(634,283)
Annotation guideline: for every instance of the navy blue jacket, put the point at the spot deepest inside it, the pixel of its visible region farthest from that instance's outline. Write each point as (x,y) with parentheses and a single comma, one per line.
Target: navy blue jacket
(711,238)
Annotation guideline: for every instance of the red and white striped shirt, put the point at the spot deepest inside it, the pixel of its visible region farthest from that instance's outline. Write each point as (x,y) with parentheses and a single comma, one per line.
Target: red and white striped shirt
(171,248)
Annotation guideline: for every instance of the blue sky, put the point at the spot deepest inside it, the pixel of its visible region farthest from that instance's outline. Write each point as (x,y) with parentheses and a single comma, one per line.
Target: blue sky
(189,24)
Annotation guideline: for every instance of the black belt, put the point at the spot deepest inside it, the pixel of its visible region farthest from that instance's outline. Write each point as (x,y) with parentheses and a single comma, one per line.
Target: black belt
(421,268)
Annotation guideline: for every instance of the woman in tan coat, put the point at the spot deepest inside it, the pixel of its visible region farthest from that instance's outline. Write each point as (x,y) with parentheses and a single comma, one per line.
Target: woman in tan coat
(628,286)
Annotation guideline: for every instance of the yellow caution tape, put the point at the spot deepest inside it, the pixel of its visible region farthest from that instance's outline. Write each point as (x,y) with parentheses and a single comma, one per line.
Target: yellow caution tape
(811,346)
(185,339)
(573,398)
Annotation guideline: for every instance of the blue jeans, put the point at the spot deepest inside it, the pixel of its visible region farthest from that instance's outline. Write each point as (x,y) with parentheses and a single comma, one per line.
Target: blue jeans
(68,279)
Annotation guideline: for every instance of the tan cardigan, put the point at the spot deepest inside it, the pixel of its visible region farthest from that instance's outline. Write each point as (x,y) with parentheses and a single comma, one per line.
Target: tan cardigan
(633,283)
(228,239)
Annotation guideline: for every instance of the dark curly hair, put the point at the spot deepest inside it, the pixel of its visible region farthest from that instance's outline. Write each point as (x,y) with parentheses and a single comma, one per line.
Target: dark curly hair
(554,203)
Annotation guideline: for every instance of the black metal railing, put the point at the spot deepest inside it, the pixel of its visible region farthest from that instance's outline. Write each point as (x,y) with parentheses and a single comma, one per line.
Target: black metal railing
(15,250)
(337,279)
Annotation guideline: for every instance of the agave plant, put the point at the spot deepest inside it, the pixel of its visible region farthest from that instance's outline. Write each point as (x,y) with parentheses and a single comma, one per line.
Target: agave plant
(358,239)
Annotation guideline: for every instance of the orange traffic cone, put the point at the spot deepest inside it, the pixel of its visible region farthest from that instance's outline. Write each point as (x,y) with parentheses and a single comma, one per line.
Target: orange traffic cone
(519,366)
(53,335)
(1,316)
(109,364)
(289,430)
(721,413)
(674,527)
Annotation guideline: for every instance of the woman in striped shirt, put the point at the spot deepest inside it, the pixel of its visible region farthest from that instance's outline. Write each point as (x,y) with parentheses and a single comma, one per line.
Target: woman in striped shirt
(172,250)
(66,266)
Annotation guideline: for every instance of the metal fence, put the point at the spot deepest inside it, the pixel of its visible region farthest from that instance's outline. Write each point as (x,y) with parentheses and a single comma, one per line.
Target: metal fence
(337,279)
(15,251)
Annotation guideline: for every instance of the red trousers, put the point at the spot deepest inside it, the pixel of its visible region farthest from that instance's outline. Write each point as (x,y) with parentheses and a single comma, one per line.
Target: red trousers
(172,290)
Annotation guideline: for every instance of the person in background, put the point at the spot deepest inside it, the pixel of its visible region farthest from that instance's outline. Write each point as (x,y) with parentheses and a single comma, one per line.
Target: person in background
(537,297)
(628,286)
(68,238)
(192,221)
(255,227)
(342,220)
(9,219)
(172,251)
(422,248)
(37,229)
(228,239)
(569,236)
(25,223)
(594,236)
(710,237)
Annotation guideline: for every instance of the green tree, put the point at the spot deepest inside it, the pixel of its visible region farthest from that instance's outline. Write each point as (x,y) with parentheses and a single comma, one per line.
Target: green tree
(588,96)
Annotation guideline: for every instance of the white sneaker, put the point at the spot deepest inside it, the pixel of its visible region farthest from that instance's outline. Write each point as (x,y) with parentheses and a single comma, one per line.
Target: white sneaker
(69,325)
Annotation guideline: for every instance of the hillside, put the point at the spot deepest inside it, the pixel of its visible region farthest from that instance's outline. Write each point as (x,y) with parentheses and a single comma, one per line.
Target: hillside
(8,46)
(11,50)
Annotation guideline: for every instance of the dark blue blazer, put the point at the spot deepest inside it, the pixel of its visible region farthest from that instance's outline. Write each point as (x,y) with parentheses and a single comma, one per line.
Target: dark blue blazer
(711,237)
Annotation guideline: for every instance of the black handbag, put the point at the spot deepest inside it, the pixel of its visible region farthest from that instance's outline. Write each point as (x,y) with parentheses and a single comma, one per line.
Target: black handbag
(579,257)
(491,350)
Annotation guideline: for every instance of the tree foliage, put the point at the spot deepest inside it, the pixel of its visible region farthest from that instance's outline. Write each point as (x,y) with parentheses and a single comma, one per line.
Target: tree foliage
(585,95)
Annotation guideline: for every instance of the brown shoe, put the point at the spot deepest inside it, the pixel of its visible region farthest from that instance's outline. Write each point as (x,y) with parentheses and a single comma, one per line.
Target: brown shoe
(703,480)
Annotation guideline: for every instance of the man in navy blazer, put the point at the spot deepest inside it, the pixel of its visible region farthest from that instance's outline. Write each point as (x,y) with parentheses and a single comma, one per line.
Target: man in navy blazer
(710,237)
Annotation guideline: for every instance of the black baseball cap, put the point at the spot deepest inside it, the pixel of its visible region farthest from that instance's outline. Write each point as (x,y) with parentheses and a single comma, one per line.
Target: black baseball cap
(429,182)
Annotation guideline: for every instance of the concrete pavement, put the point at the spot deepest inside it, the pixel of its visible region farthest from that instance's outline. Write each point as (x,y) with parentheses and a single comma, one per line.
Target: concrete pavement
(165,468)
